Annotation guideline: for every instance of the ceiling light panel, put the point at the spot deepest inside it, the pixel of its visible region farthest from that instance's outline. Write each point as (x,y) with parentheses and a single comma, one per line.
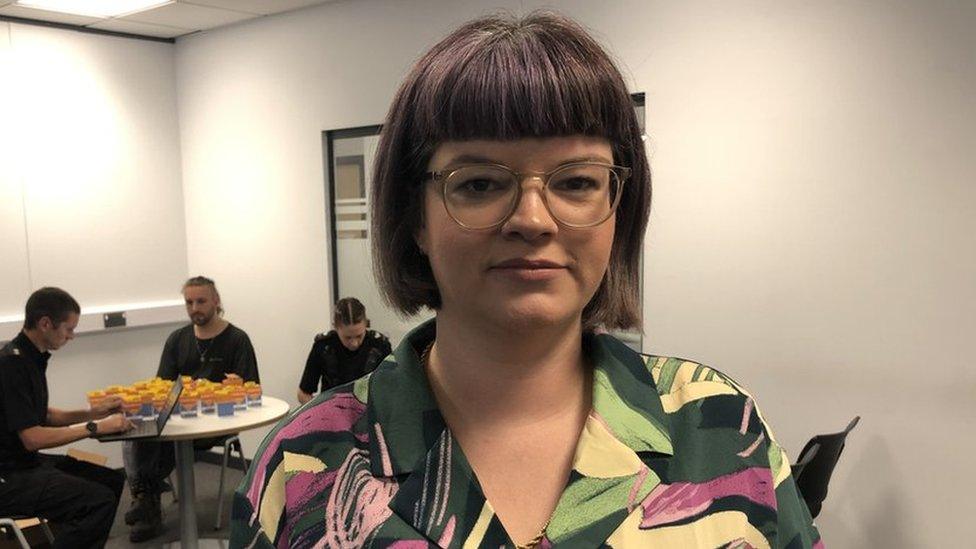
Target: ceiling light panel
(16,10)
(95,8)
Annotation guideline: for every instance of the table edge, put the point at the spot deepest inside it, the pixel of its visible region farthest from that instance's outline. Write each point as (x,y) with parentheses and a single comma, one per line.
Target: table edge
(222,432)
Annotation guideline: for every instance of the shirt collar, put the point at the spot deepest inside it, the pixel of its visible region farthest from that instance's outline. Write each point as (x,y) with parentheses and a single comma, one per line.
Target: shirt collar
(406,422)
(625,396)
(626,438)
(30,351)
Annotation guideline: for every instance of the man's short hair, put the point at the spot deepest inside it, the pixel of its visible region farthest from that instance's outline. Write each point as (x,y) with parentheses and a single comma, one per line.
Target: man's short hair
(201,280)
(348,311)
(50,302)
(505,78)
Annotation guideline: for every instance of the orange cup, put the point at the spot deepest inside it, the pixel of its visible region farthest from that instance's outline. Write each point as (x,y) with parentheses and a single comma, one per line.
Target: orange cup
(146,398)
(95,398)
(189,405)
(253,395)
(158,401)
(225,403)
(240,397)
(131,405)
(207,401)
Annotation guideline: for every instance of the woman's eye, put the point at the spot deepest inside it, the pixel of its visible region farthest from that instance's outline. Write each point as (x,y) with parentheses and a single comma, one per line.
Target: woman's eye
(479,185)
(575,184)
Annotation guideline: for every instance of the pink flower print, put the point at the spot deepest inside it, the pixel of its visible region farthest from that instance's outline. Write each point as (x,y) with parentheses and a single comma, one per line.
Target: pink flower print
(358,504)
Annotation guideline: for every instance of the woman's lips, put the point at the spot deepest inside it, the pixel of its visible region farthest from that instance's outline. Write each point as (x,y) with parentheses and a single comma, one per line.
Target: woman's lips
(525,263)
(528,269)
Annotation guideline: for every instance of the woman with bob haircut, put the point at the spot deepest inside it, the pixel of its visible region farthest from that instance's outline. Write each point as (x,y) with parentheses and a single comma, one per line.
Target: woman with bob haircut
(510,196)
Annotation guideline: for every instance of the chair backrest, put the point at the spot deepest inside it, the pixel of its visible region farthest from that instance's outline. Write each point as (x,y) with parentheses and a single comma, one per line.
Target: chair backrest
(816,463)
(10,525)
(18,525)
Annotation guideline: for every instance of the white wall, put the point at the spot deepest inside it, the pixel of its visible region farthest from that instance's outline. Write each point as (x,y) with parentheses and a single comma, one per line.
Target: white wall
(90,128)
(14,277)
(811,233)
(90,193)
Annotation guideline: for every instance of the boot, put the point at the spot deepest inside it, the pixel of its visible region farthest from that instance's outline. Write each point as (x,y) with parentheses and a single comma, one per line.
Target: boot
(135,511)
(138,508)
(146,513)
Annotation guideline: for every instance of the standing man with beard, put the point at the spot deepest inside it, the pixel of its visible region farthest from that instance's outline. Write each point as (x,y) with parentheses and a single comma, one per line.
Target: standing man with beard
(209,347)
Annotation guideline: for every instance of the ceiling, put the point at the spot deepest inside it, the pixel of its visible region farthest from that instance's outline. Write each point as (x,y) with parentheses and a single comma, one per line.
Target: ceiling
(175,19)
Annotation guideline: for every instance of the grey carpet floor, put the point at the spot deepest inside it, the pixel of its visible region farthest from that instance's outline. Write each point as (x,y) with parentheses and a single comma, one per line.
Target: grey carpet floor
(207,477)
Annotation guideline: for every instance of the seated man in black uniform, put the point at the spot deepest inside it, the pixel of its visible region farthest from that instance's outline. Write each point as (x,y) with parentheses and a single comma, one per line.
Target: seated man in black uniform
(209,347)
(78,498)
(348,352)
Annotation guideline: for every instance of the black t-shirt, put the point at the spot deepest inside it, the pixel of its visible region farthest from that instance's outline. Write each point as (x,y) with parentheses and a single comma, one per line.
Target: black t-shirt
(332,364)
(23,399)
(229,352)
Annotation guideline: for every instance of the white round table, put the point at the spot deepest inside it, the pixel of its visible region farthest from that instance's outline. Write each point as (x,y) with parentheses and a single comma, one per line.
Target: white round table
(183,431)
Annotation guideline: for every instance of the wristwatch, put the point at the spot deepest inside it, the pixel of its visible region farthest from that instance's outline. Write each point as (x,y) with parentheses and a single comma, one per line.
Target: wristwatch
(92,428)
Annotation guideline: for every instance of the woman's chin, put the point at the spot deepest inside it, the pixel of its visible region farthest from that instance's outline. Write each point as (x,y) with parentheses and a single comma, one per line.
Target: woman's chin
(533,314)
(526,313)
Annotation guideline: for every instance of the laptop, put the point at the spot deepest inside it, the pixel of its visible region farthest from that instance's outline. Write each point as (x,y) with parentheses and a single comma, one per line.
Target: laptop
(149,429)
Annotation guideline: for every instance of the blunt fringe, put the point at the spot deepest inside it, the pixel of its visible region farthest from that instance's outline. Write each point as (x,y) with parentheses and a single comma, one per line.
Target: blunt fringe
(504,78)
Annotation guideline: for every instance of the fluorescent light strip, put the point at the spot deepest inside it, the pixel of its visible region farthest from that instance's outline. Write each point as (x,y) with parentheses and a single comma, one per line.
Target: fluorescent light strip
(94,8)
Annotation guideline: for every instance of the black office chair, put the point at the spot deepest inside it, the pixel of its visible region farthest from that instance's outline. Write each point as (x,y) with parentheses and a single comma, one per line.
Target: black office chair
(815,465)
(9,524)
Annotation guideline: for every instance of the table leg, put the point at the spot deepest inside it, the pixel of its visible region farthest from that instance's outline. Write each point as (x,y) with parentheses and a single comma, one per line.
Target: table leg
(184,478)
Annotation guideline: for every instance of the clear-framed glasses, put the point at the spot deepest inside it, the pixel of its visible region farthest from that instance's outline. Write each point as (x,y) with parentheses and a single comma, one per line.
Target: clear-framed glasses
(577,195)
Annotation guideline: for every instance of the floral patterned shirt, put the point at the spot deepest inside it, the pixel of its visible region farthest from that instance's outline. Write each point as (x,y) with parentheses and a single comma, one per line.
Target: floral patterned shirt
(673,454)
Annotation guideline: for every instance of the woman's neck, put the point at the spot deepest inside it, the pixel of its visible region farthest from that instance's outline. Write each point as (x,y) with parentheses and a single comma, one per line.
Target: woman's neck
(508,375)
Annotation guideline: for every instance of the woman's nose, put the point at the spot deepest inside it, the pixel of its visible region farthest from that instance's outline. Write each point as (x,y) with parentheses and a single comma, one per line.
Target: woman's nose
(531,218)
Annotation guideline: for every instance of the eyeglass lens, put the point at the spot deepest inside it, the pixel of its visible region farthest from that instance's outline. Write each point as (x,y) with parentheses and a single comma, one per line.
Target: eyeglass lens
(576,194)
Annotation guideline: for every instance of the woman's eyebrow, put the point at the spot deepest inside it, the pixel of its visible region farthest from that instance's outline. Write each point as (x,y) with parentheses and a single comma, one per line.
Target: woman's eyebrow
(472,159)
(479,159)
(593,158)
